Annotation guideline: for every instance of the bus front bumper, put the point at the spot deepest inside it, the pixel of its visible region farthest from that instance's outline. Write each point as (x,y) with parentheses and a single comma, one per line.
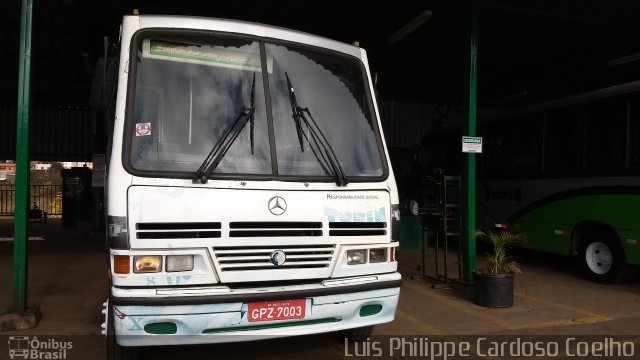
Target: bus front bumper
(172,316)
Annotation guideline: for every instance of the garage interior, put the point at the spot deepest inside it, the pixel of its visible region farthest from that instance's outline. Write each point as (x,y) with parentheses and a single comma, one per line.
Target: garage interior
(529,53)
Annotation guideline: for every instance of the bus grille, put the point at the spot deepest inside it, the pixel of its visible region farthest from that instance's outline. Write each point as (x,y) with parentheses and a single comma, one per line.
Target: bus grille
(182,230)
(274,229)
(259,257)
(357,228)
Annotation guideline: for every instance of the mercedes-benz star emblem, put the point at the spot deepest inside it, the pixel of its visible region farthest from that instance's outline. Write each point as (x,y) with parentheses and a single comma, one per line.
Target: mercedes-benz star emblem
(278,257)
(277,205)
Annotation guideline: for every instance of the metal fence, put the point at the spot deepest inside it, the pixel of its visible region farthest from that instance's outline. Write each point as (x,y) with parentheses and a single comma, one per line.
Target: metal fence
(47,198)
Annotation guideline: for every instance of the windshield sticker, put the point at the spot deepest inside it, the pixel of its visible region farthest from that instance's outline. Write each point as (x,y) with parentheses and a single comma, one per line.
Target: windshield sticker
(201,54)
(143,129)
(335,215)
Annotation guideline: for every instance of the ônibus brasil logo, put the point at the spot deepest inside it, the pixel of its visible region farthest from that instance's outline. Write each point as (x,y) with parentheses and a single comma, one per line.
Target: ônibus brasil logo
(27,347)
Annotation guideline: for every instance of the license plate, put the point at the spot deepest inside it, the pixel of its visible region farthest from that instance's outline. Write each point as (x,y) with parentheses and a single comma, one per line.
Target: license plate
(277,310)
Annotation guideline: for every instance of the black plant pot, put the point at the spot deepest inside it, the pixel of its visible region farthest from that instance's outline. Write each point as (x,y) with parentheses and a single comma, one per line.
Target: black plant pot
(493,290)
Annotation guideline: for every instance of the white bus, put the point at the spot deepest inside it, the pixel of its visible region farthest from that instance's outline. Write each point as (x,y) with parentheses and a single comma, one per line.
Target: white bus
(249,190)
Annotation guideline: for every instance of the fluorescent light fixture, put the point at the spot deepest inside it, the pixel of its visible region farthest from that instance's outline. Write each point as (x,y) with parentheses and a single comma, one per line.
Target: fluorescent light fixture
(422,18)
(624,59)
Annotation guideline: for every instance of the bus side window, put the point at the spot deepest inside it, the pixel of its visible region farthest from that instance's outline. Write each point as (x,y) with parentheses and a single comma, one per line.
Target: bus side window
(561,142)
(604,147)
(634,132)
(497,156)
(490,164)
(527,146)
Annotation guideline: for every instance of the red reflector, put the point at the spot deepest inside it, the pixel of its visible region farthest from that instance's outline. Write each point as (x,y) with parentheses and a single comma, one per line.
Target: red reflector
(502,226)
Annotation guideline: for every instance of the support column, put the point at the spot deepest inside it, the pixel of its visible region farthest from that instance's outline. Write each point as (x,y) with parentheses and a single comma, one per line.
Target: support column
(468,159)
(20,317)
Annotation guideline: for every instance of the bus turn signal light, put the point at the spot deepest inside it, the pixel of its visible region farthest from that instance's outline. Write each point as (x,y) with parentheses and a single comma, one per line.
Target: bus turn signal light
(121,264)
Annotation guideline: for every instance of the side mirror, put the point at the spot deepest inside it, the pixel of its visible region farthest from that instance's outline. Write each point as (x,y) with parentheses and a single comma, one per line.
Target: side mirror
(414,207)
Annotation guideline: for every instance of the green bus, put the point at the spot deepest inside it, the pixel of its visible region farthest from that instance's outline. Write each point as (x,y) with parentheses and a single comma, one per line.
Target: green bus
(564,173)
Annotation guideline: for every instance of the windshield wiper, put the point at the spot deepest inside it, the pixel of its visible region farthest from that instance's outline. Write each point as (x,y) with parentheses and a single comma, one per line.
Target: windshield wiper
(323,150)
(220,149)
(295,112)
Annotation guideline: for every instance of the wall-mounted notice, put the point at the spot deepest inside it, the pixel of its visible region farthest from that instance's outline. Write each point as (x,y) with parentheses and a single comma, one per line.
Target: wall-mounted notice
(471,144)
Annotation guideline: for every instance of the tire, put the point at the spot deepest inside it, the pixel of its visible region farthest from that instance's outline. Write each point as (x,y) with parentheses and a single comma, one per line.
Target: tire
(602,257)
(115,351)
(356,334)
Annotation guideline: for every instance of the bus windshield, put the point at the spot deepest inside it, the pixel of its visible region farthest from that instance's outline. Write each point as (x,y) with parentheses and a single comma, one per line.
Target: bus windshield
(188,95)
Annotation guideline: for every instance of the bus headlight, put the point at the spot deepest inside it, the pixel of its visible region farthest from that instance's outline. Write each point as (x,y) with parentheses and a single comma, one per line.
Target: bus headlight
(377,255)
(147,264)
(356,256)
(179,263)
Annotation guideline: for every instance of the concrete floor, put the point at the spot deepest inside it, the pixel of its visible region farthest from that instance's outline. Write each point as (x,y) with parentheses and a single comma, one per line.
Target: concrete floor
(67,280)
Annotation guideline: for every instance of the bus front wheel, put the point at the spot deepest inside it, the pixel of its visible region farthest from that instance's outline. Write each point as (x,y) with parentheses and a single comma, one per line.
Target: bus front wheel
(602,258)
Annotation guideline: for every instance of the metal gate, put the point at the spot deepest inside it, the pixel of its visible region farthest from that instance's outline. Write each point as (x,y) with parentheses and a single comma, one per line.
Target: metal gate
(47,198)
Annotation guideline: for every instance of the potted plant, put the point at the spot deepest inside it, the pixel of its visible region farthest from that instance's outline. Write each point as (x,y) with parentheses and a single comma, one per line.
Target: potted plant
(493,286)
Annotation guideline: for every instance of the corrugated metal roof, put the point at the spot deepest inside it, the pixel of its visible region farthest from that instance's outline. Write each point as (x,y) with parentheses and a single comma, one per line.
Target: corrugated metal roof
(544,48)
